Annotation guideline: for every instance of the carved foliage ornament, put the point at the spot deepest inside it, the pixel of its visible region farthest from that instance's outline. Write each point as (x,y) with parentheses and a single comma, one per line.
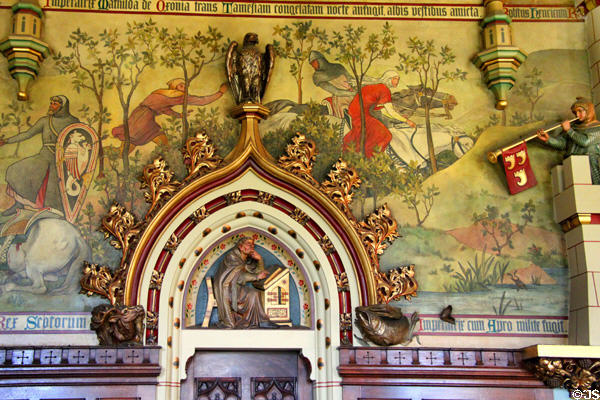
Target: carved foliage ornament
(572,374)
(117,323)
(300,157)
(199,156)
(377,231)
(339,187)
(158,179)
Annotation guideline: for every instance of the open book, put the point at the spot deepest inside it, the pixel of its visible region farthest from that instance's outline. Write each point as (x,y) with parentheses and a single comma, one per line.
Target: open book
(264,284)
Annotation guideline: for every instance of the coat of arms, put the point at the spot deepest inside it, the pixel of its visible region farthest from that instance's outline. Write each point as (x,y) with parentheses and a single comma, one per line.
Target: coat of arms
(76,155)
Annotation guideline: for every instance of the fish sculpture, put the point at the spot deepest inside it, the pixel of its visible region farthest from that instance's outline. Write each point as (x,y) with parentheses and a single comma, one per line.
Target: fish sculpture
(385,325)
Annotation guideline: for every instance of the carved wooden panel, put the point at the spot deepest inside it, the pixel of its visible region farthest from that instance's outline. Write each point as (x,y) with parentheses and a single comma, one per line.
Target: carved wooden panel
(273,388)
(78,373)
(401,373)
(247,375)
(219,388)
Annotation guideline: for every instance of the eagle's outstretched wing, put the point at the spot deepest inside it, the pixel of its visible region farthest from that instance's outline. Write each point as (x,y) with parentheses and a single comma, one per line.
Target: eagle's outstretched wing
(268,64)
(232,71)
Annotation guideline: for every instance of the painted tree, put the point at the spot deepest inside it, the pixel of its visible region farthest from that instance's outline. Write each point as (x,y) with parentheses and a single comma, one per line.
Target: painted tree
(17,118)
(531,89)
(500,227)
(190,53)
(297,43)
(431,65)
(377,173)
(414,194)
(88,64)
(358,50)
(129,56)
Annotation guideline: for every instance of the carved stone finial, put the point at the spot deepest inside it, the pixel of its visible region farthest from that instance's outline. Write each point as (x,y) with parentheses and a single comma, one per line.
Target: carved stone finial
(499,59)
(24,48)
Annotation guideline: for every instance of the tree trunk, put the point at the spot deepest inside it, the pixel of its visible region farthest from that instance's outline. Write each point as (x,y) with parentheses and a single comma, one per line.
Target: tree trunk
(99,132)
(184,122)
(299,88)
(504,117)
(432,159)
(127,141)
(363,123)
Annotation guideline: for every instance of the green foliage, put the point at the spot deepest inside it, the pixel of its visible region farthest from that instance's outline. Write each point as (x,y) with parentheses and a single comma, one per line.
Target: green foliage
(418,198)
(297,43)
(431,65)
(315,126)
(16,119)
(378,174)
(549,259)
(531,89)
(478,275)
(358,51)
(500,227)
(502,306)
(128,58)
(222,130)
(493,120)
(190,53)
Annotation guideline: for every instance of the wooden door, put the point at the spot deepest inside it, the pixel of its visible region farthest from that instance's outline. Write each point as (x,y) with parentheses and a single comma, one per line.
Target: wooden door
(246,375)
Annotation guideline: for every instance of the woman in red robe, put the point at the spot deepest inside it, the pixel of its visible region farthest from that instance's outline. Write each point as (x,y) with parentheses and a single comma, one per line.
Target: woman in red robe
(142,125)
(375,97)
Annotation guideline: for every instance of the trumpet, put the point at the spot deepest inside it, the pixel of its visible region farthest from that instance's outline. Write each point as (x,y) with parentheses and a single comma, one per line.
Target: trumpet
(493,155)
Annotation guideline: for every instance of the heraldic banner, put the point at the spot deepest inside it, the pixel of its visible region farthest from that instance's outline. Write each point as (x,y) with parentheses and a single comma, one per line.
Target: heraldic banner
(519,174)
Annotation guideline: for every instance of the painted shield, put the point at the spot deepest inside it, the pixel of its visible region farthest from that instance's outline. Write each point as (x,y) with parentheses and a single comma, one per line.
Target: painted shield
(76,155)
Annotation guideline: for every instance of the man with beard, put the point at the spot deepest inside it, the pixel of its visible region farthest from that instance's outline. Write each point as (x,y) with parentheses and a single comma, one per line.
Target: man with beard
(238,303)
(33,181)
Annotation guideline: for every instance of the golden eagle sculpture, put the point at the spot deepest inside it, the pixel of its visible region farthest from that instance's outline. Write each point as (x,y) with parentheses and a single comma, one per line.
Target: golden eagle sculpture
(248,70)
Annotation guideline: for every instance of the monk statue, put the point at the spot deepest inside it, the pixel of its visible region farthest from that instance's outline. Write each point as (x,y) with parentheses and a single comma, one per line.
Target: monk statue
(238,302)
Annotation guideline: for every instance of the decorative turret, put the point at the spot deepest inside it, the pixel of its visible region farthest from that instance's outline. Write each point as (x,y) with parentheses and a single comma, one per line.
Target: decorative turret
(499,60)
(23,47)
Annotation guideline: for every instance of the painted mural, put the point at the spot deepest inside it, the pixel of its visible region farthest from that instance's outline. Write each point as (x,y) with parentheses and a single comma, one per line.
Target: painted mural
(399,99)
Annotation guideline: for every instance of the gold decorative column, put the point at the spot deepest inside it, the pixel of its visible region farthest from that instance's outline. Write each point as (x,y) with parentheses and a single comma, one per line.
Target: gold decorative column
(249,114)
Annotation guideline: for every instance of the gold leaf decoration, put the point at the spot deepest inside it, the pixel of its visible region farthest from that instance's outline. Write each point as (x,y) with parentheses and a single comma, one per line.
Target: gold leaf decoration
(300,157)
(199,215)
(199,156)
(573,374)
(345,321)
(343,179)
(158,179)
(265,198)
(377,232)
(99,279)
(299,216)
(172,243)
(120,224)
(233,197)
(156,280)
(151,320)
(341,281)
(395,283)
(326,244)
